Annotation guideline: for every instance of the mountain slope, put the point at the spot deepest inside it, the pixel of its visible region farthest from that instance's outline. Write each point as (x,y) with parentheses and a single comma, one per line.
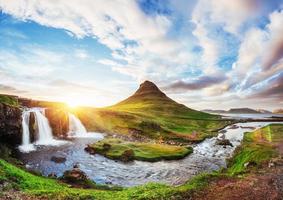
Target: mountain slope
(149,113)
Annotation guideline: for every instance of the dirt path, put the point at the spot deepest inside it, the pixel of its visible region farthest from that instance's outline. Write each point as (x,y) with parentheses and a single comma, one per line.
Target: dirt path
(264,184)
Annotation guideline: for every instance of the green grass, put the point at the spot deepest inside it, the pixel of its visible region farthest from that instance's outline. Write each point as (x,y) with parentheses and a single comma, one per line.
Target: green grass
(257,147)
(142,151)
(8,100)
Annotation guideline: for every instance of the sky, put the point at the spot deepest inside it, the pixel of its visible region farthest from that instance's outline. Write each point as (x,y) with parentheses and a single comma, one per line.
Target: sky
(206,54)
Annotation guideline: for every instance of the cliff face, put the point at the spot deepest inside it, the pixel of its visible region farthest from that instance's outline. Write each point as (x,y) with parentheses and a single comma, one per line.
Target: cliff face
(58,120)
(10,124)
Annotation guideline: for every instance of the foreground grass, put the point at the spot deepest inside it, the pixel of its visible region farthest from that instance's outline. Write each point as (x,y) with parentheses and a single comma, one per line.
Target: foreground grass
(115,149)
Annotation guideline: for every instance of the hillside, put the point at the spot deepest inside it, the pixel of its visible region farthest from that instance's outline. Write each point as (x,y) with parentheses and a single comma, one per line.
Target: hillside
(243,111)
(278,111)
(150,113)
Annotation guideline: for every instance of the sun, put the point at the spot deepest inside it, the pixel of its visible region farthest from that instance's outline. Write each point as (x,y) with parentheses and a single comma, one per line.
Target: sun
(72,104)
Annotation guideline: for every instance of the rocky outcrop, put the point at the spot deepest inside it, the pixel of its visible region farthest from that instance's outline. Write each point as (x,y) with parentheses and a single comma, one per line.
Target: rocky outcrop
(58,120)
(10,124)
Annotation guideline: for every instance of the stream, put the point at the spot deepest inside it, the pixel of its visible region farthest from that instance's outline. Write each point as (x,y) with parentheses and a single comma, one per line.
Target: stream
(207,156)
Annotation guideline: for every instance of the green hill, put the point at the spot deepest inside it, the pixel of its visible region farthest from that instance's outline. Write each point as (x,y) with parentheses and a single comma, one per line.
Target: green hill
(150,113)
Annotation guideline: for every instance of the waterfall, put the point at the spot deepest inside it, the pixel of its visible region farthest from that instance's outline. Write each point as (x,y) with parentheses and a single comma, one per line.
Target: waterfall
(43,130)
(26,144)
(76,128)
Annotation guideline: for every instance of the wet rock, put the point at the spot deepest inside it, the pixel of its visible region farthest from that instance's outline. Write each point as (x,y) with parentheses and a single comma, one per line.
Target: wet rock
(90,150)
(76,166)
(128,155)
(10,124)
(75,176)
(223,131)
(52,175)
(224,142)
(233,126)
(58,159)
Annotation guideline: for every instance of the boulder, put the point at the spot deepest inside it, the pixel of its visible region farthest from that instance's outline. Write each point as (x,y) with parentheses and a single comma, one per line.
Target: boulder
(128,155)
(75,176)
(58,159)
(224,142)
(10,124)
(90,150)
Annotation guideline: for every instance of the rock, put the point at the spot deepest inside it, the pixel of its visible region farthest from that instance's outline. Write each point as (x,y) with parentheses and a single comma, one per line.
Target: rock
(76,166)
(221,136)
(75,176)
(128,155)
(233,126)
(250,164)
(106,147)
(10,124)
(58,159)
(90,150)
(52,175)
(224,143)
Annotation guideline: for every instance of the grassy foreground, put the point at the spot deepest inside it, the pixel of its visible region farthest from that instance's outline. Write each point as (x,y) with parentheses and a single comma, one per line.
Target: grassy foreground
(117,149)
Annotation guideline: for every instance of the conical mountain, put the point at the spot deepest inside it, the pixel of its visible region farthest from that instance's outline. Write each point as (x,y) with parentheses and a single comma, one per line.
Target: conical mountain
(150,113)
(150,100)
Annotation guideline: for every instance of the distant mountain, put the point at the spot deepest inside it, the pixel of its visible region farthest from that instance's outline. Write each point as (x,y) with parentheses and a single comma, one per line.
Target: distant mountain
(264,111)
(151,113)
(243,111)
(278,111)
(214,111)
(238,110)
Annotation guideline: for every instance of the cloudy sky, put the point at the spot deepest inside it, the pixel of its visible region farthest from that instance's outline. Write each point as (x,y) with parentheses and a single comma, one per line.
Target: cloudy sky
(203,53)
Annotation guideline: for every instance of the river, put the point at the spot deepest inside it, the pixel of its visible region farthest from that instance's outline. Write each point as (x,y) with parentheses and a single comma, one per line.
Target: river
(207,156)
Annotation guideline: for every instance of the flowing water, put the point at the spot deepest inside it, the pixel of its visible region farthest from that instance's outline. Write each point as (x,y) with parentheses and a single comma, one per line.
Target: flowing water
(207,156)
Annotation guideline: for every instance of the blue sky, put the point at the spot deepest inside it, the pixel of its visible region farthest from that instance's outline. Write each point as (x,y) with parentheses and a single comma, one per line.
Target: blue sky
(203,53)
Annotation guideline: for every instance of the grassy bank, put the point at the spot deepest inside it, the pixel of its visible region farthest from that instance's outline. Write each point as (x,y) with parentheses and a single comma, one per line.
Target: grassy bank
(9,100)
(126,151)
(257,147)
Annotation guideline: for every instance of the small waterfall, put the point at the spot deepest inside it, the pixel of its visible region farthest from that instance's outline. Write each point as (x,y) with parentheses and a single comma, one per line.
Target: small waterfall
(26,144)
(76,128)
(43,130)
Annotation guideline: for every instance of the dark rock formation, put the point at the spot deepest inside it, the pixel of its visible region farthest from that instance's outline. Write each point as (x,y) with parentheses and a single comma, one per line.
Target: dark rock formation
(58,159)
(90,150)
(224,142)
(58,120)
(10,124)
(128,155)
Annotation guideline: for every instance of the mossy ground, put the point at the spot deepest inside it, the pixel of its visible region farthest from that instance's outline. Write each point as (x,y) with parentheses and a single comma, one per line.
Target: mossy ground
(9,100)
(142,151)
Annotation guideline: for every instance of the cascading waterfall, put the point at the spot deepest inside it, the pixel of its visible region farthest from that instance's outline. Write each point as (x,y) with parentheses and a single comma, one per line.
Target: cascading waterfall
(43,130)
(26,144)
(76,128)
